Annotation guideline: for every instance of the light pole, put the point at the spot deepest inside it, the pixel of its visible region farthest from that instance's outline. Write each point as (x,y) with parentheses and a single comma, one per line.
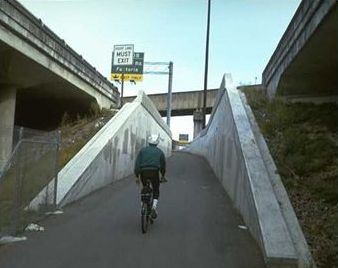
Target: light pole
(206,67)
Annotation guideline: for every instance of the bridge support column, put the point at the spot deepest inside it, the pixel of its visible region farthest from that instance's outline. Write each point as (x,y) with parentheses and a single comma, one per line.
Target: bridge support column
(7,112)
(198,122)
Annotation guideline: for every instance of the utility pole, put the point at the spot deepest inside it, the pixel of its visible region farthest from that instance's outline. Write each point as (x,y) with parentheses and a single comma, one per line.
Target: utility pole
(206,68)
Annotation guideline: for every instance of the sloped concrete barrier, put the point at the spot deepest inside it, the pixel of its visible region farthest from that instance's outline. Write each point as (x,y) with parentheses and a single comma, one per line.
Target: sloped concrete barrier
(111,153)
(305,258)
(229,145)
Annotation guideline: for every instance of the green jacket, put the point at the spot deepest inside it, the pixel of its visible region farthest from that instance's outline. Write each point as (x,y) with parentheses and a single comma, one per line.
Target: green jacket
(150,158)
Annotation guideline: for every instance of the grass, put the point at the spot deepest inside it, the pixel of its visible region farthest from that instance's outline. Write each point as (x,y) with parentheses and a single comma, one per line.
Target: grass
(302,139)
(75,134)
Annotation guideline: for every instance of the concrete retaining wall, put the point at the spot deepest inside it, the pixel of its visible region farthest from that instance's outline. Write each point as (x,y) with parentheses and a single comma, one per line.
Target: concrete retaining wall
(289,215)
(110,154)
(229,145)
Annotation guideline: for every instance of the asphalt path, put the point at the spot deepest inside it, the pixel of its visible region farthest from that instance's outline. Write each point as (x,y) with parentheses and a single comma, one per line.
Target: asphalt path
(197,226)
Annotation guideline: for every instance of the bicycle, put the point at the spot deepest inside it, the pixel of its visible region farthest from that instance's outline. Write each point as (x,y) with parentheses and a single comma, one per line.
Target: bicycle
(147,204)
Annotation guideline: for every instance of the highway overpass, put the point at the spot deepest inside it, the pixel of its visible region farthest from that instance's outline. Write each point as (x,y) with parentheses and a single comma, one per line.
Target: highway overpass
(305,60)
(41,77)
(184,103)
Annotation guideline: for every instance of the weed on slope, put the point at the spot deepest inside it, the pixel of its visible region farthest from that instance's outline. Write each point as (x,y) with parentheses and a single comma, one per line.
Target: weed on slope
(302,139)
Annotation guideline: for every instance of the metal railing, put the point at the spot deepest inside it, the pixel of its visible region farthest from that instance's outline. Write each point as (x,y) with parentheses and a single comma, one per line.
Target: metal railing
(32,165)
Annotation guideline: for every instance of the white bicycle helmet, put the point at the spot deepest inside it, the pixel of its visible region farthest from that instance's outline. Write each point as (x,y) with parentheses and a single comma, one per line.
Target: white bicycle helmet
(153,139)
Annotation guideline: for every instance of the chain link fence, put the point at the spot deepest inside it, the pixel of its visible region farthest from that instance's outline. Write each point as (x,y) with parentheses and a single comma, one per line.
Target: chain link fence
(31,166)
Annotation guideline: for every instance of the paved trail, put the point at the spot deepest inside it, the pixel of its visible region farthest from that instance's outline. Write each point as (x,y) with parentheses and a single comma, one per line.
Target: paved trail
(197,227)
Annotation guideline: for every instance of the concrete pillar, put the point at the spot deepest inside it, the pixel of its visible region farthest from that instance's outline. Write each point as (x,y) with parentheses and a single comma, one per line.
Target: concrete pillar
(7,112)
(198,122)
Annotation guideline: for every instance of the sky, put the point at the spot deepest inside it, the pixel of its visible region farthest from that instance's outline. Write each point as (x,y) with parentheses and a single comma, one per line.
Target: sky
(243,36)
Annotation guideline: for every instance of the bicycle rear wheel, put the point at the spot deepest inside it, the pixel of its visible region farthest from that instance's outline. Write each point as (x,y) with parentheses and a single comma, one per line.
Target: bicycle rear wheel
(144,218)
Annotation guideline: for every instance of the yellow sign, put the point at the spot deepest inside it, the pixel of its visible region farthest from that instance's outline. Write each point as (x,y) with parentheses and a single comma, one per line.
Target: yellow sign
(127,77)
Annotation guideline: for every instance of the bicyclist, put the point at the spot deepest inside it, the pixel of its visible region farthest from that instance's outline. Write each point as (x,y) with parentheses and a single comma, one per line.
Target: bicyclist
(149,163)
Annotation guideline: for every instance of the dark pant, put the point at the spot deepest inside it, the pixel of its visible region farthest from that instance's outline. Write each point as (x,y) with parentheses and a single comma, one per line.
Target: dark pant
(154,178)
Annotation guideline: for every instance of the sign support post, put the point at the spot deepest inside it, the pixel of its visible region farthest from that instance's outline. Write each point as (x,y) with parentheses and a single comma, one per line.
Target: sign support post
(122,87)
(170,79)
(169,96)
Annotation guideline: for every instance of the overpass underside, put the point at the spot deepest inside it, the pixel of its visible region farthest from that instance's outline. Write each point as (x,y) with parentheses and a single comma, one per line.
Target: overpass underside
(41,108)
(183,102)
(314,70)
(41,97)
(304,64)
(183,112)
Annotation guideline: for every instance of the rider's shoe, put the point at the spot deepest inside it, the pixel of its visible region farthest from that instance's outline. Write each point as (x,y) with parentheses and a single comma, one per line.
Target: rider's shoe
(153,213)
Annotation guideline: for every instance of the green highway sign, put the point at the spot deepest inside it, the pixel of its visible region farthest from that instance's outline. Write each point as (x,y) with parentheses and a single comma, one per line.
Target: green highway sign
(136,68)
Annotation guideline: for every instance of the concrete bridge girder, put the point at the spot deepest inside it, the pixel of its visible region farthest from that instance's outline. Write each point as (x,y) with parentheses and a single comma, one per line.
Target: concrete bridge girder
(40,93)
(31,69)
(183,103)
(314,69)
(305,60)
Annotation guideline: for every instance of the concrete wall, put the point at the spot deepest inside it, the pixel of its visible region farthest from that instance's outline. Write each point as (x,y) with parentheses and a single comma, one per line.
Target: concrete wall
(294,228)
(229,145)
(110,154)
(7,110)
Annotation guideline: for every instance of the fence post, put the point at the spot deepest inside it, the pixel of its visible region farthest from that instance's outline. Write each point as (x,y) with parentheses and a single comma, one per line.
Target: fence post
(18,188)
(56,169)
